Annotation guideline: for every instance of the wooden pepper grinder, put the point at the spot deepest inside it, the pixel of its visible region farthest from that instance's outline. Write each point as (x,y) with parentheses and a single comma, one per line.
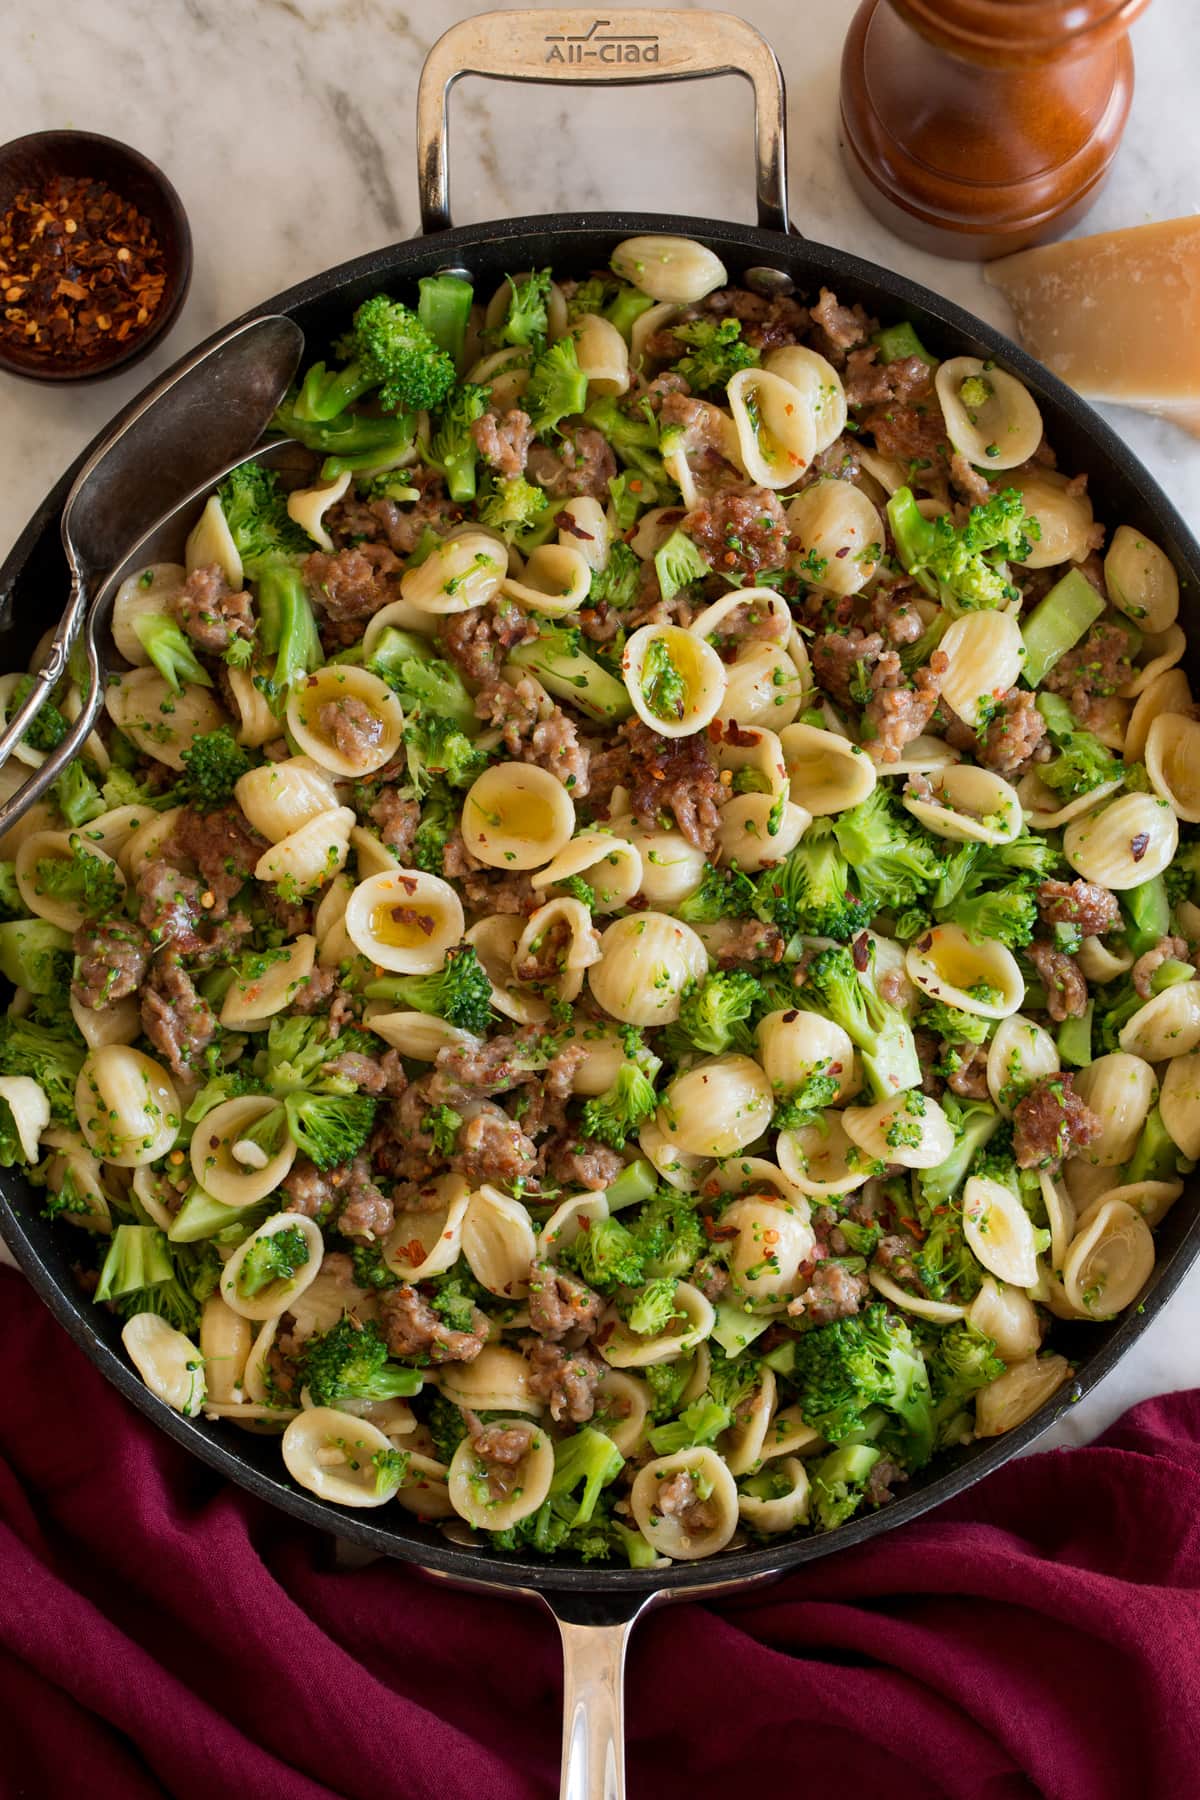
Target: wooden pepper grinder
(976,127)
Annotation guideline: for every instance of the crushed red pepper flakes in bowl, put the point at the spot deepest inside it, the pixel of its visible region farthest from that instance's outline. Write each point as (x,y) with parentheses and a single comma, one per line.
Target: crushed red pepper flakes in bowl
(80,267)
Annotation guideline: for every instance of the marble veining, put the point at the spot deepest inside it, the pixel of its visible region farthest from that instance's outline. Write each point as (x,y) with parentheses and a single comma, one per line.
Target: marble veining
(287,126)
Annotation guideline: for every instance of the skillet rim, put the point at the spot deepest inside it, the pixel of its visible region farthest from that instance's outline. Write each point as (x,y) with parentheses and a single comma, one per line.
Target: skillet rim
(625,1589)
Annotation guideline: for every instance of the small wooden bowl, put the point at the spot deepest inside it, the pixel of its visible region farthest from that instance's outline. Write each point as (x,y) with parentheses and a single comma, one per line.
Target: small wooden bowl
(29,164)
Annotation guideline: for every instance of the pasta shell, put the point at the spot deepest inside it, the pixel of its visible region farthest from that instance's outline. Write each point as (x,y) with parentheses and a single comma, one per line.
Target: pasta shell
(623,1348)
(54,847)
(1152,1199)
(776,427)
(225,1340)
(346,719)
(145,842)
(517,816)
(578,1213)
(819,381)
(588,530)
(622,1406)
(279,797)
(253,998)
(837,537)
(828,774)
(949,965)
(255,723)
(308,506)
(782,1512)
(998,427)
(459,573)
(1160,652)
(1120,1089)
(1102,962)
(277,1296)
(149,590)
(774,1241)
(309,858)
(602,353)
(969,805)
(767,611)
(1019,1054)
(169,1363)
(675,680)
(423,1491)
(1167,693)
(554,582)
(669,268)
(793,1045)
(496,1381)
(647,959)
(677,1168)
(505,374)
(397,615)
(338,1458)
(668,1531)
(741,1446)
(1064,515)
(417,1035)
(428,1241)
(1018,1393)
(1110,1260)
(611,866)
(127,1106)
(405,920)
(30,1111)
(939,1312)
(219,1172)
(788,1435)
(763,686)
(907,1128)
(563,928)
(821,1159)
(922,756)
(984,653)
(162,724)
(717,1107)
(671,867)
(1173,764)
(1128,842)
(1167,1026)
(1043,809)
(1179,1103)
(1141,580)
(494,941)
(211,541)
(498,1243)
(1008,1316)
(999,1231)
(488,1505)
(756,831)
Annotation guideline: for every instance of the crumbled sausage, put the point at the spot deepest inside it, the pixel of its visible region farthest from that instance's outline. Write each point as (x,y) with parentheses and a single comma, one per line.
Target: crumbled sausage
(350,586)
(840,328)
(565,1379)
(1092,671)
(114,955)
(492,1147)
(580,1162)
(366,1212)
(843,659)
(536,730)
(1051,1122)
(560,1303)
(1143,969)
(401,527)
(971,1079)
(397,816)
(412,1328)
(896,713)
(766,323)
(478,642)
(676,776)
(740,533)
(749,941)
(678,1498)
(581,462)
(503,440)
(210,612)
(308,1190)
(223,846)
(833,1292)
(353,728)
(169,906)
(178,1021)
(1063,980)
(1011,738)
(1084,903)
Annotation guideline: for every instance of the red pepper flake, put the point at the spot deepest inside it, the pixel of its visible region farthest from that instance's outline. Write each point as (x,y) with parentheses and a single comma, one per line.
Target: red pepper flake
(408,915)
(1139,845)
(80,270)
(860,950)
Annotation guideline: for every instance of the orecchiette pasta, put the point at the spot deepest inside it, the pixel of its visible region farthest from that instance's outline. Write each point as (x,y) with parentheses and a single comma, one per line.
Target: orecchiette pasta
(837,536)
(517,816)
(990,415)
(405,920)
(669,268)
(646,961)
(347,720)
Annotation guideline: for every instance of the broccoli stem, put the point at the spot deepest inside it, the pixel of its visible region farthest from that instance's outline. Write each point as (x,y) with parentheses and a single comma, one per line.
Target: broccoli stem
(1057,623)
(913,536)
(1155,1156)
(895,342)
(1075,1038)
(1147,913)
(287,625)
(444,308)
(567,672)
(636,1182)
(626,305)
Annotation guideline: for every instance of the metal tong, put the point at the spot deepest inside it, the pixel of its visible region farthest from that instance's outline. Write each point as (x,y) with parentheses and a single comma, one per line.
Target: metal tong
(190,426)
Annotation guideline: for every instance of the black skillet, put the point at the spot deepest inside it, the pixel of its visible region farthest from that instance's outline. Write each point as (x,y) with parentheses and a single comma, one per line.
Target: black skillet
(596,1607)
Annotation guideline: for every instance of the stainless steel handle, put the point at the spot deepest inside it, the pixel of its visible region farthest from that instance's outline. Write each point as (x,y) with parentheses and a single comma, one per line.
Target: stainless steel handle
(582,48)
(593,1764)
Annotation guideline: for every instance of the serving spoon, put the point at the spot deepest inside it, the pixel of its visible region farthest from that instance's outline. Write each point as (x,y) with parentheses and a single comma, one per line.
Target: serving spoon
(190,425)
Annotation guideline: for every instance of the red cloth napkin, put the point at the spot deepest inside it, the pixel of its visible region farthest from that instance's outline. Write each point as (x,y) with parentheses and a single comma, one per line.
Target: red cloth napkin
(161,1633)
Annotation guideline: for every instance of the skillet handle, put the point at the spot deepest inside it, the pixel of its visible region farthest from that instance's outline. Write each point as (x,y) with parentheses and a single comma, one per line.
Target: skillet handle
(581,49)
(595,1636)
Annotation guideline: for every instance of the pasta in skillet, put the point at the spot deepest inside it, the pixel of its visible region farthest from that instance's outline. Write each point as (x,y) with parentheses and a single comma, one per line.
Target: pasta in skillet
(624,950)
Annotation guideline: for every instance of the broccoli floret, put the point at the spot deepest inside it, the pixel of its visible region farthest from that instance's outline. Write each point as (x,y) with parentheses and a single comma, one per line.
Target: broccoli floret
(350,1362)
(299,1047)
(437,747)
(668,1235)
(880,1032)
(945,1265)
(122,788)
(954,1026)
(615,1115)
(452,449)
(677,563)
(330,1128)
(446,1425)
(557,387)
(439,820)
(591,296)
(213,764)
(894,861)
(716,352)
(525,321)
(634,440)
(724,893)
(617,583)
(459,992)
(230,1085)
(138,1258)
(456,1296)
(444,309)
(272,547)
(443,1125)
(513,506)
(711,1012)
(842,1370)
(11,904)
(960,1360)
(273,1257)
(964,563)
(386,349)
(52,1054)
(839,1482)
(700,1423)
(586,1460)
(12,1151)
(666,1382)
(370,1270)
(629,495)
(422,680)
(1082,763)
(653,1307)
(663,688)
(77,797)
(811,891)
(36,955)
(45,732)
(1184,873)
(83,879)
(170,652)
(1007,914)
(606,1256)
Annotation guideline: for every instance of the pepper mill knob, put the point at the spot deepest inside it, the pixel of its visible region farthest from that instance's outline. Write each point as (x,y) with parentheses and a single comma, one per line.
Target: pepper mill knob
(976,127)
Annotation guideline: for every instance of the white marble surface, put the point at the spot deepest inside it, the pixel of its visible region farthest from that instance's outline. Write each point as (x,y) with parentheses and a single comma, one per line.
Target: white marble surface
(287,126)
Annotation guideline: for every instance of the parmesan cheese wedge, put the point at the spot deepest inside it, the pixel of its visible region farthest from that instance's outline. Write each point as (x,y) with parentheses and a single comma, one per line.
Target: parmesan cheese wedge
(1116,315)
